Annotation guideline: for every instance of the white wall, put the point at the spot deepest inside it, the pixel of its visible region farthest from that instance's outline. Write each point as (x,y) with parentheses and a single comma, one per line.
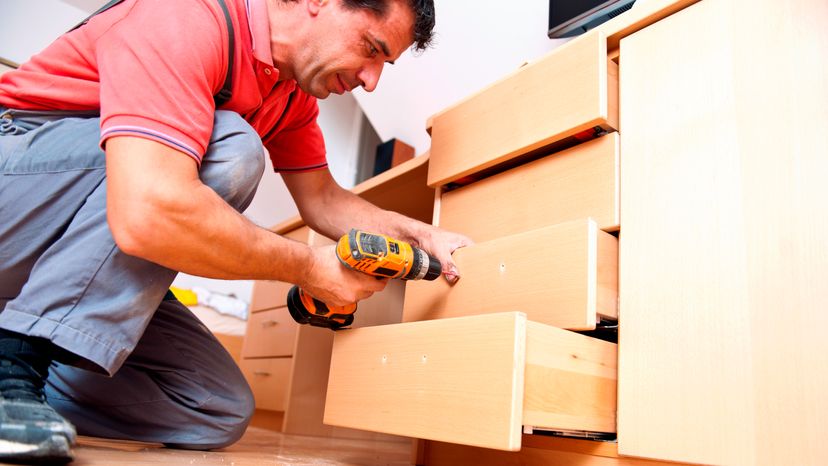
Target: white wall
(28,26)
(340,118)
(477,42)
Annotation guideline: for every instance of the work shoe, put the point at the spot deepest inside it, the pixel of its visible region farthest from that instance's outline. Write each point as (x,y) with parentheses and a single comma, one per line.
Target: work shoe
(31,431)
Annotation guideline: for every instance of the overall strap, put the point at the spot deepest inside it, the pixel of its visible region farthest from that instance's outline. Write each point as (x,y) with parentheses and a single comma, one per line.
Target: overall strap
(226,90)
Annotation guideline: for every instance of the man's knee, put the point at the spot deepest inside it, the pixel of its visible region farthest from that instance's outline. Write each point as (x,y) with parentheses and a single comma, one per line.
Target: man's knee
(235,160)
(224,428)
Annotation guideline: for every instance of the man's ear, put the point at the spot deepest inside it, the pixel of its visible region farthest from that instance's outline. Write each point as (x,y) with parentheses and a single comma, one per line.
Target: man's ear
(315,5)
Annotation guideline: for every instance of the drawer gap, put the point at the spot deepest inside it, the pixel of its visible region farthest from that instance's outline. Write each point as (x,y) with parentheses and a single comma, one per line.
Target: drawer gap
(577,434)
(606,329)
(557,146)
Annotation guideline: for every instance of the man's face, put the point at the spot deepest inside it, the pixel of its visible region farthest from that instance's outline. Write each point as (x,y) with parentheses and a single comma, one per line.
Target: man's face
(350,46)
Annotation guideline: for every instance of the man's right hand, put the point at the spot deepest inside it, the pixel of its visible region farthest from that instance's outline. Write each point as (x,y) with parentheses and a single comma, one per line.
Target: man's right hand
(329,281)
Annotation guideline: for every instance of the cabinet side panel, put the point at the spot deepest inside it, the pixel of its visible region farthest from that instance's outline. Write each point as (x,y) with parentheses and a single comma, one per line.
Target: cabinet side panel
(722,252)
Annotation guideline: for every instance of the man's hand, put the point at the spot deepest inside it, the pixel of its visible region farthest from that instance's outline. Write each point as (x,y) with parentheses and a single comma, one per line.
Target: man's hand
(441,244)
(336,285)
(331,210)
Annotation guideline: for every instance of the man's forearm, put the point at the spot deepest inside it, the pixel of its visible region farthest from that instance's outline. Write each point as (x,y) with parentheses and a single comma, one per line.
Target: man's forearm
(171,218)
(331,210)
(352,211)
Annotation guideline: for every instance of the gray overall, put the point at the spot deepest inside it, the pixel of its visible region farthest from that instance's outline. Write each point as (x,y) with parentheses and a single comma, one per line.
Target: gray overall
(142,367)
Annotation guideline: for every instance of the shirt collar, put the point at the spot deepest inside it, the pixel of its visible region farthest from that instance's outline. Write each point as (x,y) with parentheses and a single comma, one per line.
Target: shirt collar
(259,30)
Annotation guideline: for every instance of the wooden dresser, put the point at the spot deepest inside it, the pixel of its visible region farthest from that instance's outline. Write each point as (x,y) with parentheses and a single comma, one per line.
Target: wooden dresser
(664,173)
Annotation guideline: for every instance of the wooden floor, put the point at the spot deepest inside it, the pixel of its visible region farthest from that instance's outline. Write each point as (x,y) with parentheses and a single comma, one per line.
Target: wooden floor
(257,447)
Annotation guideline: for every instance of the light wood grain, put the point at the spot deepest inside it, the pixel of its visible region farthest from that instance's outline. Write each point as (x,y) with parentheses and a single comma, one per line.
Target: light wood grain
(232,343)
(402,189)
(571,381)
(306,395)
(290,225)
(311,363)
(269,334)
(268,294)
(312,354)
(723,252)
(269,380)
(458,380)
(257,447)
(573,184)
(642,15)
(560,95)
(536,451)
(554,274)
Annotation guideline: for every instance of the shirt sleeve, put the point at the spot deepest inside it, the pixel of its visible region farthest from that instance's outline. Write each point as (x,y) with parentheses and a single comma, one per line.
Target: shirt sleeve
(159,66)
(297,144)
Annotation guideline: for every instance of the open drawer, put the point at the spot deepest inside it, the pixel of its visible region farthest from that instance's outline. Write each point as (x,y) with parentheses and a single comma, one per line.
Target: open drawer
(472,380)
(564,275)
(571,91)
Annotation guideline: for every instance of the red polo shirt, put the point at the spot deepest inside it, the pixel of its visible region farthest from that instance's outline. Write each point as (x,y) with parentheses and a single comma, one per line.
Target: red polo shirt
(152,68)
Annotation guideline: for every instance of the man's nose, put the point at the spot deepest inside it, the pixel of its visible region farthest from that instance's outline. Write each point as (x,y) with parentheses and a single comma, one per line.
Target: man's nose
(369,76)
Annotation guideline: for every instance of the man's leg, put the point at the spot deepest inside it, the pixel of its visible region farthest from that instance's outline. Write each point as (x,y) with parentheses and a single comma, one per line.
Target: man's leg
(81,292)
(48,170)
(179,387)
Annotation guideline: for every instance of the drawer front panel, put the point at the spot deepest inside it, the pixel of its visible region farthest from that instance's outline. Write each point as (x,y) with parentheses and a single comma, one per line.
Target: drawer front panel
(269,379)
(571,90)
(269,334)
(268,294)
(573,184)
(462,380)
(564,275)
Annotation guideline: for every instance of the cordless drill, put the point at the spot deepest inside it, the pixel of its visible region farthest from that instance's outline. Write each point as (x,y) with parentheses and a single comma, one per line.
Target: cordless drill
(369,253)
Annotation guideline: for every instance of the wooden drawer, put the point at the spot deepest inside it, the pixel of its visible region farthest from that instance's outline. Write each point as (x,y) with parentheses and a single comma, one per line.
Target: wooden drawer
(471,380)
(564,275)
(573,184)
(268,294)
(269,379)
(269,334)
(571,90)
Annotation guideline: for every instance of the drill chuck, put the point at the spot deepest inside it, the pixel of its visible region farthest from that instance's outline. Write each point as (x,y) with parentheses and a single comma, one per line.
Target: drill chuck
(423,267)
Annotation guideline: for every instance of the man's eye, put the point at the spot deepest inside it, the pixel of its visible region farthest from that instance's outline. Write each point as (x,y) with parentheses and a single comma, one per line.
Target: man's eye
(372,51)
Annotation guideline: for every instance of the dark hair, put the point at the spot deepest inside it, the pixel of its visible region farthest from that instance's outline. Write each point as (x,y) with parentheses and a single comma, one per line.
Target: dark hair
(423,17)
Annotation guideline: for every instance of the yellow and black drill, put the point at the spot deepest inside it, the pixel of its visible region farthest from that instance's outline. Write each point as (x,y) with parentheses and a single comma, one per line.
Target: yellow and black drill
(369,253)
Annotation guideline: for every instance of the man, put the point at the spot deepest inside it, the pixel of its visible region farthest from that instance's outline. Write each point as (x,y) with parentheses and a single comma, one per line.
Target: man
(99,212)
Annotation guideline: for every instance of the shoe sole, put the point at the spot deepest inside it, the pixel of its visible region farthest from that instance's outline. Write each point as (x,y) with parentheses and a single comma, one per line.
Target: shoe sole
(54,450)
